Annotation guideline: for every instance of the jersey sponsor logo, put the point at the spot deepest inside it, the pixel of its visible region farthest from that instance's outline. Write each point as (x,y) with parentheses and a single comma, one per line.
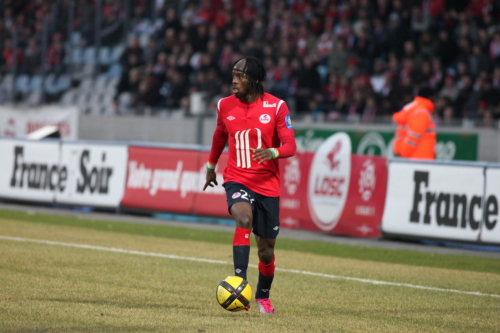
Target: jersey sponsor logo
(230,118)
(236,195)
(242,145)
(288,122)
(267,105)
(329,181)
(265,118)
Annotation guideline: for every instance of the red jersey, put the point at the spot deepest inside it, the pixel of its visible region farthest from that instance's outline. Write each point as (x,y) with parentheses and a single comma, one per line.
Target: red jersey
(262,124)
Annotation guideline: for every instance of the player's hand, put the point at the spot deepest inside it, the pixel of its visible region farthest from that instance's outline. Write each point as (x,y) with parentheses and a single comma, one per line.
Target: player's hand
(211,178)
(261,155)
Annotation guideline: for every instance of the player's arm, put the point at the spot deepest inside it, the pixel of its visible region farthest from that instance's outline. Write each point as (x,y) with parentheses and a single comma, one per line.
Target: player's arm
(416,129)
(219,141)
(286,135)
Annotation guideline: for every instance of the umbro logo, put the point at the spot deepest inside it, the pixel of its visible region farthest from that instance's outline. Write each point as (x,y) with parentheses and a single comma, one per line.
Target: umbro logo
(276,228)
(230,118)
(267,105)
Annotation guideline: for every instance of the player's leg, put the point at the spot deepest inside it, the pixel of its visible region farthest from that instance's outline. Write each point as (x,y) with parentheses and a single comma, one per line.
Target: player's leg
(266,266)
(242,215)
(266,229)
(266,273)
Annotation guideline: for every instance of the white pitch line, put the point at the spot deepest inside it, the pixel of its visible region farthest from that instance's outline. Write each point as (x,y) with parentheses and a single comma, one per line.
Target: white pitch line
(171,256)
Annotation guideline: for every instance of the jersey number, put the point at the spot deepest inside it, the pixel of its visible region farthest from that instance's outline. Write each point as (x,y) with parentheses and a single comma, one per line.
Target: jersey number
(242,139)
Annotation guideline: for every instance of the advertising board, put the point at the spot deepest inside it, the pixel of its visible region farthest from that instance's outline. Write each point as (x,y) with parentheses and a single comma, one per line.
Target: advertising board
(449,146)
(30,170)
(432,200)
(161,179)
(20,122)
(96,174)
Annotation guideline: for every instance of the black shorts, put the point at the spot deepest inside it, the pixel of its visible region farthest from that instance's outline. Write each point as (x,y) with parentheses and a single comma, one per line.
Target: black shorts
(266,210)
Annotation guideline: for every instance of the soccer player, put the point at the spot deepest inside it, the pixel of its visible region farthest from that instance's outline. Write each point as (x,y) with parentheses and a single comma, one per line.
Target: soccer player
(258,129)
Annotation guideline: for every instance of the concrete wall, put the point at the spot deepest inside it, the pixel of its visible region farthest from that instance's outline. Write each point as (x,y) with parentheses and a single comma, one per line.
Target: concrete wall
(194,131)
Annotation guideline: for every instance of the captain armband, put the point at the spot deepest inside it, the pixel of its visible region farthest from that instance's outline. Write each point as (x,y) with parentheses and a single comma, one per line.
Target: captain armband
(210,167)
(275,152)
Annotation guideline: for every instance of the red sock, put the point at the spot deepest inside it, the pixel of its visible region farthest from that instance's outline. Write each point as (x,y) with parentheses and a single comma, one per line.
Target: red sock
(241,237)
(267,270)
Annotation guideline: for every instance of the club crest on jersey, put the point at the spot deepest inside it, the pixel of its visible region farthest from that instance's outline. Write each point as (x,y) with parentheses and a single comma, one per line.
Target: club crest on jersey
(236,195)
(230,118)
(288,122)
(267,105)
(265,118)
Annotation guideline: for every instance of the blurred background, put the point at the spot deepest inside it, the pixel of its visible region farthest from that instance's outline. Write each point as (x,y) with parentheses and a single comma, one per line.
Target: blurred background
(332,61)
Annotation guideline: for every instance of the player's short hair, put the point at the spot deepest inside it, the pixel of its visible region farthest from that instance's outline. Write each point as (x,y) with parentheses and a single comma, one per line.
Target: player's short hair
(255,72)
(426,92)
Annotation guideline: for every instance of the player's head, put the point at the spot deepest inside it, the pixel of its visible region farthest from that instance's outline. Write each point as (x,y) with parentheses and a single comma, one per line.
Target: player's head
(426,92)
(248,75)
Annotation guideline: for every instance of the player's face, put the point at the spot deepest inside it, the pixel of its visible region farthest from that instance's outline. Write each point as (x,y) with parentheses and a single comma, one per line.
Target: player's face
(240,80)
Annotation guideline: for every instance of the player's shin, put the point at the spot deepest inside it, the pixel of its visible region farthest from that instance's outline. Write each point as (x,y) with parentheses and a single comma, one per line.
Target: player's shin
(266,276)
(241,251)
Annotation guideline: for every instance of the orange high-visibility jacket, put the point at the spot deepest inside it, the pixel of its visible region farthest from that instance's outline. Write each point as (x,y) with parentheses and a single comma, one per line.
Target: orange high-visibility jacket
(416,133)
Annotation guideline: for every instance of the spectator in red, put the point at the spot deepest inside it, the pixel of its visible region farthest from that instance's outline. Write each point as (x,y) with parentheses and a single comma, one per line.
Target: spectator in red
(206,14)
(8,54)
(475,7)
(248,12)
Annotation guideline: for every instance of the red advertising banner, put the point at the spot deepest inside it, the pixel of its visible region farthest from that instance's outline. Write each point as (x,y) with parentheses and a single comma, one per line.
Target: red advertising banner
(212,201)
(362,213)
(161,179)
(364,208)
(331,191)
(293,201)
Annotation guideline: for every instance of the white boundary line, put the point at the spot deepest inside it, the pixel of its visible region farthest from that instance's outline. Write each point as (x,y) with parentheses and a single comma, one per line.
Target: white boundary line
(171,256)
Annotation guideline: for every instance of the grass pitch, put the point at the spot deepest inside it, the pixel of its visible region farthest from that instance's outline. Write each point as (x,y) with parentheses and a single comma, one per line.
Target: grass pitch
(163,287)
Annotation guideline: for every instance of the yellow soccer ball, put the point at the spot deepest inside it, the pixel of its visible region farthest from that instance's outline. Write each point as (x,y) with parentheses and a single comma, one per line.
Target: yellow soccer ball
(234,293)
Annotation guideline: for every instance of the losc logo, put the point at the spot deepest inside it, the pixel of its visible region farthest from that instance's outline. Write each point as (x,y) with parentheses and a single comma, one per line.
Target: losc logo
(265,118)
(367,180)
(292,175)
(329,181)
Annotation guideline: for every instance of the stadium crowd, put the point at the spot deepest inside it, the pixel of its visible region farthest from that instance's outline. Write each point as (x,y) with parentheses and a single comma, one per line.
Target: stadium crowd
(354,60)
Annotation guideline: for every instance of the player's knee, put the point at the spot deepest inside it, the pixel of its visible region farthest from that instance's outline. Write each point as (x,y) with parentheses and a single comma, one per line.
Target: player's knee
(244,221)
(266,255)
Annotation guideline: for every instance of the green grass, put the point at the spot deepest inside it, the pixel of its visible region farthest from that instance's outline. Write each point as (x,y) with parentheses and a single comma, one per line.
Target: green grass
(406,257)
(54,288)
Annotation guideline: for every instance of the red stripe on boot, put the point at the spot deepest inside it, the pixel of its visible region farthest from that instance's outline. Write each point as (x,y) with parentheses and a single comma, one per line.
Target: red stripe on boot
(267,270)
(241,237)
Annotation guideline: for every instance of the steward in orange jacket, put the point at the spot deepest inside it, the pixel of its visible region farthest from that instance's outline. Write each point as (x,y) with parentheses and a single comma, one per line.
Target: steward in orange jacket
(416,133)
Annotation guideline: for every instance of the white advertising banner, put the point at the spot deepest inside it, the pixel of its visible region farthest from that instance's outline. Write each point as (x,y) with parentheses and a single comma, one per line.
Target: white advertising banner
(434,200)
(19,122)
(30,170)
(490,231)
(96,174)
